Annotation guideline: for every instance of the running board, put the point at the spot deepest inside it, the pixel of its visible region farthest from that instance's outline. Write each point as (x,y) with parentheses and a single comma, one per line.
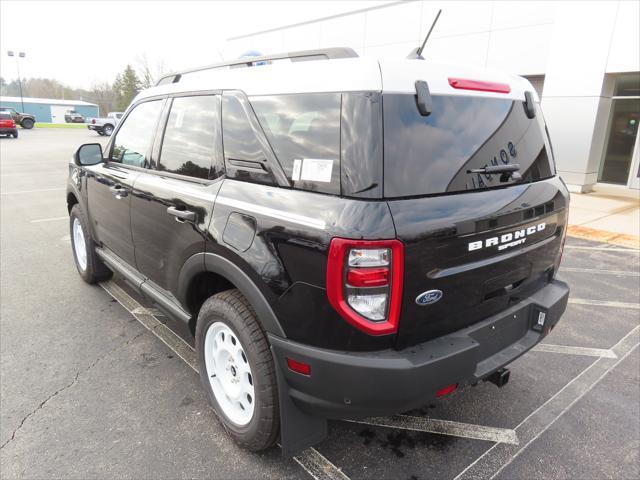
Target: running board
(142,284)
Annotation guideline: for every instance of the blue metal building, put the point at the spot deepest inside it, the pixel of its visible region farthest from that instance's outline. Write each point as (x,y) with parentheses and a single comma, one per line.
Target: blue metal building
(50,110)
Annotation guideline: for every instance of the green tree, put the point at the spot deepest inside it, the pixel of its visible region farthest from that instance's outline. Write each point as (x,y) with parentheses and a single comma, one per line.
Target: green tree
(126,85)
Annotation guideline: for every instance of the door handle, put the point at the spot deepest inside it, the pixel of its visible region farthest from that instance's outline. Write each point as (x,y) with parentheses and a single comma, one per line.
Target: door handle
(182,215)
(118,191)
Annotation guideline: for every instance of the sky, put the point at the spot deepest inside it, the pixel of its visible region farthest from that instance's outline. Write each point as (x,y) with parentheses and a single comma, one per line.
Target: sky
(81,43)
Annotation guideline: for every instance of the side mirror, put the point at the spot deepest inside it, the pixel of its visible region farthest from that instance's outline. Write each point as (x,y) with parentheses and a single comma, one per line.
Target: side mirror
(88,154)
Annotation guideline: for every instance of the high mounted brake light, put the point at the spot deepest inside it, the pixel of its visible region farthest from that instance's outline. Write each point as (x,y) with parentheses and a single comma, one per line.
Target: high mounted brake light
(364,283)
(479,85)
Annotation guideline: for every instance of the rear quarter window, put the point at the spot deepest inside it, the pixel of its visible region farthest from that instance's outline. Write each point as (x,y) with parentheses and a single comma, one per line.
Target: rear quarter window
(304,132)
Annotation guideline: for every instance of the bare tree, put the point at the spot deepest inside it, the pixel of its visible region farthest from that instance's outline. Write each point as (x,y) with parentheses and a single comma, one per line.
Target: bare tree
(148,75)
(105,96)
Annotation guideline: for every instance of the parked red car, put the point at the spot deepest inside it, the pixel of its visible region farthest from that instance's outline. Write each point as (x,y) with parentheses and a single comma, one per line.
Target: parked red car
(8,125)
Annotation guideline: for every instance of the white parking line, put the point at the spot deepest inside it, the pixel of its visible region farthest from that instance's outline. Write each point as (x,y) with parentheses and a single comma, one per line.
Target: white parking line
(155,326)
(496,458)
(444,427)
(19,192)
(570,350)
(604,303)
(52,219)
(312,461)
(590,271)
(147,311)
(602,249)
(317,465)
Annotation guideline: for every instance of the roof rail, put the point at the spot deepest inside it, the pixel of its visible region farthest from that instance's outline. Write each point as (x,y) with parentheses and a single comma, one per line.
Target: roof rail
(301,56)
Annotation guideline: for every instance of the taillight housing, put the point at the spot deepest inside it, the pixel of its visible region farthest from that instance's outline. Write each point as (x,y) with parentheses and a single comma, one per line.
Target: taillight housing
(364,283)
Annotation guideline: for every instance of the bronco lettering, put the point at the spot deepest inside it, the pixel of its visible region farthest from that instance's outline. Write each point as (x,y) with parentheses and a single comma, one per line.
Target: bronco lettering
(504,241)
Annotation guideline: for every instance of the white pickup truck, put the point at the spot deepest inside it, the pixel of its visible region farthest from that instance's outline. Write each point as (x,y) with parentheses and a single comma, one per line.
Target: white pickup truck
(105,125)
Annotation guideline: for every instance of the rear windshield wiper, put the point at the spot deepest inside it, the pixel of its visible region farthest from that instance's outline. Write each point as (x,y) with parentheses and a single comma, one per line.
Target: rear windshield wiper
(509,171)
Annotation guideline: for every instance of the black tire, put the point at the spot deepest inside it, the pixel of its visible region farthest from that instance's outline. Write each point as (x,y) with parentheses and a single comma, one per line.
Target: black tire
(15,135)
(95,270)
(232,309)
(27,123)
(100,132)
(107,129)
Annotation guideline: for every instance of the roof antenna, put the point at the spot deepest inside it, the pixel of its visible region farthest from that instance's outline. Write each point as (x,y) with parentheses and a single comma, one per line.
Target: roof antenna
(417,53)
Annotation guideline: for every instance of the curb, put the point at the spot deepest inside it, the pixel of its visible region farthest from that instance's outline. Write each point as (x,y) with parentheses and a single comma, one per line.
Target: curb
(620,239)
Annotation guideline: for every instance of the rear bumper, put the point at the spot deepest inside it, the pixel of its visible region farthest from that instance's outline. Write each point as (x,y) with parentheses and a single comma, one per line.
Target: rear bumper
(8,131)
(357,385)
(94,127)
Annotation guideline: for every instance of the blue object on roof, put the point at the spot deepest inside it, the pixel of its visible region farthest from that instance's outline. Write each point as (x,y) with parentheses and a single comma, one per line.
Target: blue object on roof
(253,53)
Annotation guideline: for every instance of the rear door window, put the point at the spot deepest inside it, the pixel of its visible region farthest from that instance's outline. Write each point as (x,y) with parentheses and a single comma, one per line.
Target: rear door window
(304,132)
(132,143)
(192,137)
(432,154)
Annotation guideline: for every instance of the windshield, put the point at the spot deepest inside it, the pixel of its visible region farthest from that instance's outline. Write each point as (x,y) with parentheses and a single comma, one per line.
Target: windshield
(432,154)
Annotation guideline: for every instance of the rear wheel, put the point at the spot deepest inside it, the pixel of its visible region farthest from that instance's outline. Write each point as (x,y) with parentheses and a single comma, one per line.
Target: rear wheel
(27,123)
(15,134)
(237,370)
(89,265)
(108,130)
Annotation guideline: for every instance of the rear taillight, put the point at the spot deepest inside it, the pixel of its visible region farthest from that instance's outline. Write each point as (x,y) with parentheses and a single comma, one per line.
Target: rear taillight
(364,283)
(479,85)
(93,120)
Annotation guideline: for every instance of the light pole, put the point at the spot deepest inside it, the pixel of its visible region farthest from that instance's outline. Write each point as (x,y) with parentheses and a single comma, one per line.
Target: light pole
(20,55)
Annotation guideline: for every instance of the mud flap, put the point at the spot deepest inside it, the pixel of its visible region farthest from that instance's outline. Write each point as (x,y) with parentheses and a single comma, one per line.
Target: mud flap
(298,430)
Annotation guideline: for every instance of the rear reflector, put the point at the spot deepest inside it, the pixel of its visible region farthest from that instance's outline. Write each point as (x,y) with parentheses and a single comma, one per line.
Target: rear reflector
(299,367)
(446,390)
(479,85)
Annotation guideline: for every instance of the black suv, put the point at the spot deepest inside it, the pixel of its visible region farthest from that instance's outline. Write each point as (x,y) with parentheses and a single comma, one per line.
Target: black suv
(343,237)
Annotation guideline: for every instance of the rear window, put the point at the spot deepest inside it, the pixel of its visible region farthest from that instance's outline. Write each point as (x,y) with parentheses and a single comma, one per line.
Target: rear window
(5,116)
(304,132)
(431,155)
(190,137)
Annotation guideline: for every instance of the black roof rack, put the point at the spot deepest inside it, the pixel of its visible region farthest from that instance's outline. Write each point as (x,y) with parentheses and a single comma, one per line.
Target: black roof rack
(301,56)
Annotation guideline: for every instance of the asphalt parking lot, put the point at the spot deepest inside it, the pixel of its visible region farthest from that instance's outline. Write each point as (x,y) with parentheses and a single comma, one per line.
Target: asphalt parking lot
(94,383)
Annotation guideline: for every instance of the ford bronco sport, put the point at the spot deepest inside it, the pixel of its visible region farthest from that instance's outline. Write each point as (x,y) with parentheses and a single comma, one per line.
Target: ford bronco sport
(343,237)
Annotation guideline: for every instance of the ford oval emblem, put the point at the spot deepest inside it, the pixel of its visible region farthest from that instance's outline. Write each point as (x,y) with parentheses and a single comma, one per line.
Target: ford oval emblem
(429,297)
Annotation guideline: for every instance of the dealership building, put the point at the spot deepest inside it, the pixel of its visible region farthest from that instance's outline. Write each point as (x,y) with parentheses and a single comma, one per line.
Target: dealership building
(49,110)
(583,58)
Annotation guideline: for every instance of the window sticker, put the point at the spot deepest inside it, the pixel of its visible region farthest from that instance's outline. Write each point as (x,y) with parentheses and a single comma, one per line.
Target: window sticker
(297,165)
(179,119)
(316,170)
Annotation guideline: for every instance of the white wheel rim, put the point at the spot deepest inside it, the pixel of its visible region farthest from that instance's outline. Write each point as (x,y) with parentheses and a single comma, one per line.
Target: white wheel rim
(229,373)
(79,246)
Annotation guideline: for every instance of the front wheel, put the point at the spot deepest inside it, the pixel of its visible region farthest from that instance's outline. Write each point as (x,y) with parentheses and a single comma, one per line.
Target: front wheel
(89,265)
(237,370)
(108,130)
(27,123)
